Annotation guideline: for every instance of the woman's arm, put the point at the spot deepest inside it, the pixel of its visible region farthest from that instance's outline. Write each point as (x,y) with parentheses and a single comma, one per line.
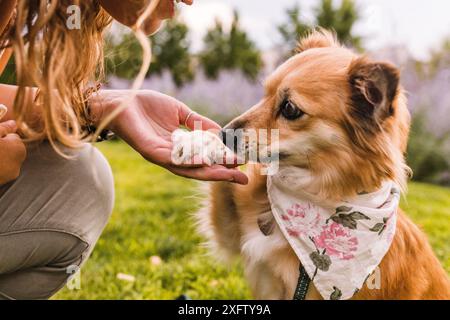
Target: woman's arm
(147,125)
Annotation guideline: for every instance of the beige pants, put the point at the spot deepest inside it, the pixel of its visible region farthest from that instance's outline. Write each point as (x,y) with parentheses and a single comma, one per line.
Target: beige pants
(50,219)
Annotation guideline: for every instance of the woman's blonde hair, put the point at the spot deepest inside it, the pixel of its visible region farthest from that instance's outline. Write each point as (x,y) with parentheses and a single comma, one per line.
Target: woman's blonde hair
(61,63)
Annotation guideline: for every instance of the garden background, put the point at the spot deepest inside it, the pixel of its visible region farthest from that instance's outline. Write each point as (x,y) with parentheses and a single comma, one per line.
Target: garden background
(214,57)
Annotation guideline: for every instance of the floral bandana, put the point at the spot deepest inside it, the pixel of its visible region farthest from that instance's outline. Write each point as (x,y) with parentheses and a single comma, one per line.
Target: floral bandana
(341,244)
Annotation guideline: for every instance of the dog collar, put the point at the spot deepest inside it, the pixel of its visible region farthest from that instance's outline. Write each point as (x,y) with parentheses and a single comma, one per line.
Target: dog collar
(339,244)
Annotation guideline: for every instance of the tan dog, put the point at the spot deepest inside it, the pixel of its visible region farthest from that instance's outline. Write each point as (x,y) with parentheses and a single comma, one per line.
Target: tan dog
(344,118)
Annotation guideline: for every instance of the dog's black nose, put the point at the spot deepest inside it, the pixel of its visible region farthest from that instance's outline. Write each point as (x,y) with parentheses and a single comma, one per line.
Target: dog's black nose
(232,134)
(227,136)
(230,138)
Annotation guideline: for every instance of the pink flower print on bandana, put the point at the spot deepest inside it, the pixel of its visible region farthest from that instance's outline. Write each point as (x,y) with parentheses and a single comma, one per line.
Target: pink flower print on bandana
(302,219)
(337,241)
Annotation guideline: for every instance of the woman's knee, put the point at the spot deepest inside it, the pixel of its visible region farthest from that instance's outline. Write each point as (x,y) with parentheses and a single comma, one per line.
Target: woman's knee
(37,263)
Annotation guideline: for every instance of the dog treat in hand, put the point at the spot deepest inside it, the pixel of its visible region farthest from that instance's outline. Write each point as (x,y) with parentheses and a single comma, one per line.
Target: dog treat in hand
(199,147)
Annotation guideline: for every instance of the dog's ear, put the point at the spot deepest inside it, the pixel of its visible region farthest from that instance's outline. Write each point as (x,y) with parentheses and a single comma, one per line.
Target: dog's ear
(318,38)
(374,87)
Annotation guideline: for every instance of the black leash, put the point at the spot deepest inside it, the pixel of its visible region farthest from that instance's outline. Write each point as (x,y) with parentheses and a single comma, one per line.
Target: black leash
(302,285)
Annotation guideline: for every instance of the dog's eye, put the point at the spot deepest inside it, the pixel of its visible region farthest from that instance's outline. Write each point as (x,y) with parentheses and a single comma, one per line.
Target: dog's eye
(290,111)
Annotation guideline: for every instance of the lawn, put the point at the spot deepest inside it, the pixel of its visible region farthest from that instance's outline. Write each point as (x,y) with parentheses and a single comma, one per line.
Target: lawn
(153,218)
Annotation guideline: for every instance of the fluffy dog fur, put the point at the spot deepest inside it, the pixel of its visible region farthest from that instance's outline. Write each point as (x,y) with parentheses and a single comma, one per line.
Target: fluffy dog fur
(352,136)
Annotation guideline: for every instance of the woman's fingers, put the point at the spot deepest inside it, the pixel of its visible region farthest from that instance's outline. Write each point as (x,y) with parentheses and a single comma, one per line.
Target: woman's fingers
(7,127)
(193,120)
(206,124)
(3,110)
(213,173)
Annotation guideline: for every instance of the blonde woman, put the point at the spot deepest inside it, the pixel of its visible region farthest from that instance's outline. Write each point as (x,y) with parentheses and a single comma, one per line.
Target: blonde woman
(53,208)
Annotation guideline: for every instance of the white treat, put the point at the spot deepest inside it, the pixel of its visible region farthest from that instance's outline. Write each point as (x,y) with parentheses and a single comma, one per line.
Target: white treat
(201,147)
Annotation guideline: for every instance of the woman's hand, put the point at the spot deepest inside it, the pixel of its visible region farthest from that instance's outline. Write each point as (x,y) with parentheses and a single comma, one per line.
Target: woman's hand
(147,125)
(12,152)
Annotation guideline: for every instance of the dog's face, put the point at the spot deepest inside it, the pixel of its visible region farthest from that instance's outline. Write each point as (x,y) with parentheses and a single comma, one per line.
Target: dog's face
(341,116)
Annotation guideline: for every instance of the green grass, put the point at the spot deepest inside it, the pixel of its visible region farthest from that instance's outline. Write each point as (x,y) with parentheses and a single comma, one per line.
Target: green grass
(153,217)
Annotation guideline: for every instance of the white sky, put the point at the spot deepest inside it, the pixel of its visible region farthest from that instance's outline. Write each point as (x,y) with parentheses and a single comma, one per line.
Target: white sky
(418,24)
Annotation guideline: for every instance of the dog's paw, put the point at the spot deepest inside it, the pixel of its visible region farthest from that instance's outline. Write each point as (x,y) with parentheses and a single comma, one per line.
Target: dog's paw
(199,148)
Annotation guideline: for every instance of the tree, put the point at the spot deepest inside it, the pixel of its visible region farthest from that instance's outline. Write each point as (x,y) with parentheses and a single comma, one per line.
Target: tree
(170,48)
(340,19)
(171,52)
(440,58)
(123,59)
(293,29)
(230,51)
(428,154)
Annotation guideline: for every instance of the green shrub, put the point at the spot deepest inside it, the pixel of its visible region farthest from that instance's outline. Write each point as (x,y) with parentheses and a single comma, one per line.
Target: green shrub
(428,154)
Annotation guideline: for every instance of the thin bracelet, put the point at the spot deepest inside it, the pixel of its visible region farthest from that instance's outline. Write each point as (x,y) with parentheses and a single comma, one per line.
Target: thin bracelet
(90,128)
